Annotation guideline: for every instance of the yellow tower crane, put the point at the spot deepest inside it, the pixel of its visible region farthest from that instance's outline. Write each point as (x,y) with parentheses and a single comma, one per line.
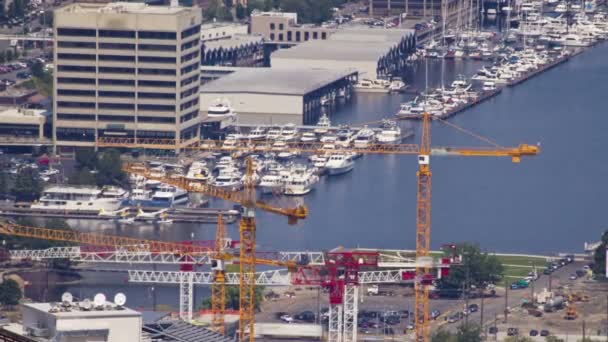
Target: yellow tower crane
(423,203)
(218,288)
(247,229)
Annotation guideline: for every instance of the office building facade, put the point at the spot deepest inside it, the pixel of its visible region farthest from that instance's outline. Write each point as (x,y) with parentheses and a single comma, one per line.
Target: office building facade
(126,70)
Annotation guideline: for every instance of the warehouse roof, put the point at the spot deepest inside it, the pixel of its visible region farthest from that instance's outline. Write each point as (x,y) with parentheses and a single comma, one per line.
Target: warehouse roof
(338,50)
(275,81)
(367,34)
(182,332)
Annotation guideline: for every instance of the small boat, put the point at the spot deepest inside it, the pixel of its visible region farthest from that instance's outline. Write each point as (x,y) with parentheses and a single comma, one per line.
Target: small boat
(488,86)
(372,86)
(257,133)
(339,163)
(390,132)
(345,137)
(364,138)
(228,178)
(125,219)
(300,182)
(308,137)
(289,132)
(323,125)
(397,85)
(221,110)
(271,183)
(274,132)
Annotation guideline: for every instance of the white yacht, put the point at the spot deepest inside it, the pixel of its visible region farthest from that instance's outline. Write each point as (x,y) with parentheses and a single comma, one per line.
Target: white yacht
(289,132)
(390,132)
(338,164)
(301,181)
(198,171)
(220,109)
(345,137)
(168,195)
(372,86)
(488,86)
(228,178)
(271,183)
(308,137)
(257,133)
(364,137)
(273,133)
(81,198)
(573,40)
(561,8)
(224,162)
(323,125)
(397,85)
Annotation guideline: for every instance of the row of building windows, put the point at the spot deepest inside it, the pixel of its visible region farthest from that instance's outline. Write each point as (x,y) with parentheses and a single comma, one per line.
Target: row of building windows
(157,71)
(155,107)
(117,58)
(191,31)
(115,118)
(188,116)
(77,32)
(190,68)
(189,104)
(189,80)
(189,92)
(121,70)
(123,94)
(281,36)
(273,26)
(153,59)
(190,56)
(103,81)
(116,46)
(192,43)
(126,106)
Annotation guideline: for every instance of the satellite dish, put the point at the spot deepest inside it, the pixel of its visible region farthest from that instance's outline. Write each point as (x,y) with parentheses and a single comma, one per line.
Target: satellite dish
(86,304)
(67,298)
(99,300)
(120,299)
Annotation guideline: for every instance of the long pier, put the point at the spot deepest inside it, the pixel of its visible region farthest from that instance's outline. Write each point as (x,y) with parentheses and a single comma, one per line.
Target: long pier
(182,215)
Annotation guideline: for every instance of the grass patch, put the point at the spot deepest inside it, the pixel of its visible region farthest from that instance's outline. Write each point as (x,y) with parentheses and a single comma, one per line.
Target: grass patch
(519,272)
(522,260)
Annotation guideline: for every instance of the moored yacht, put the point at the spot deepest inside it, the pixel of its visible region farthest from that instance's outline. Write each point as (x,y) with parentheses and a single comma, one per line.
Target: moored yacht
(228,178)
(81,198)
(221,110)
(323,125)
(257,133)
(167,196)
(339,163)
(301,181)
(364,138)
(390,132)
(372,86)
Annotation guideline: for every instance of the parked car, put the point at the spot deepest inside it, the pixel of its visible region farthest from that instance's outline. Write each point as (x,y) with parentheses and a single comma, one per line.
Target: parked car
(306,316)
(544,332)
(512,331)
(286,318)
(435,313)
(573,277)
(23,74)
(533,332)
(493,330)
(279,314)
(404,313)
(473,308)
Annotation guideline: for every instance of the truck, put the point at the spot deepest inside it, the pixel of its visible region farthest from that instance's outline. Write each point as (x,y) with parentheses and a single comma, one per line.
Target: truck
(554,304)
(372,290)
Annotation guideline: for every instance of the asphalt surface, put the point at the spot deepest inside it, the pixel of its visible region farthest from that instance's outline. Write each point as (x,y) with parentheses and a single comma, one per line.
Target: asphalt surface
(403,299)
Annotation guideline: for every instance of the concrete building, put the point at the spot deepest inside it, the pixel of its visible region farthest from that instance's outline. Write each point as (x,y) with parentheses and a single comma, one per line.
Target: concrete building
(276,96)
(222,30)
(374,53)
(22,123)
(126,69)
(283,28)
(238,50)
(74,323)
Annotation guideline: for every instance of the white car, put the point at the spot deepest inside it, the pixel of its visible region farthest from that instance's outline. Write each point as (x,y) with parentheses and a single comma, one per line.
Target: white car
(286,318)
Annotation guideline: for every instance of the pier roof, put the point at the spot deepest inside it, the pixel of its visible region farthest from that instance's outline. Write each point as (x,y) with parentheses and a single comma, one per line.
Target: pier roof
(336,50)
(275,81)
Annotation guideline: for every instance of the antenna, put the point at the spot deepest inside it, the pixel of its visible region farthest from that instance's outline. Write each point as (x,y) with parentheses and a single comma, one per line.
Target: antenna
(86,304)
(99,300)
(120,299)
(66,299)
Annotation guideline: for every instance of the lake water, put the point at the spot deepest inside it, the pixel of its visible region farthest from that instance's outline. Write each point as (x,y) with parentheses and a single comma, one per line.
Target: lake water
(549,203)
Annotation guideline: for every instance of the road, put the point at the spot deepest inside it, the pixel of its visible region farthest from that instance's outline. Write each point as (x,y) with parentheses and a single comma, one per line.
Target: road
(403,299)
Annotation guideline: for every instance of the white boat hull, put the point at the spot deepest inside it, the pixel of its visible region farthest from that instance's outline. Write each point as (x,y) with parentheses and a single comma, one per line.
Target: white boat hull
(334,171)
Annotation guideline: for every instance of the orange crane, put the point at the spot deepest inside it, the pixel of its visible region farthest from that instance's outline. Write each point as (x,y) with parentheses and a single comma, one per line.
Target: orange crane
(247,229)
(218,288)
(423,203)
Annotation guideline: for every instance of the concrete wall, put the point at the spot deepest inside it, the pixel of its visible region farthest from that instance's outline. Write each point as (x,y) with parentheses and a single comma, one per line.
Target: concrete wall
(259,108)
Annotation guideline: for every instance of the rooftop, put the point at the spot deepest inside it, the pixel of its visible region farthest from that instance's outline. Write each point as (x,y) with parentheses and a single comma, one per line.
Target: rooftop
(72,189)
(181,331)
(337,50)
(122,7)
(371,34)
(290,15)
(235,41)
(110,309)
(275,81)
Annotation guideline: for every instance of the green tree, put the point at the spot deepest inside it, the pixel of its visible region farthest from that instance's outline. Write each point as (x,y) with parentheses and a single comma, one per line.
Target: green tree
(232,298)
(518,339)
(2,54)
(468,332)
(47,19)
(10,293)
(109,167)
(477,268)
(28,186)
(240,11)
(86,158)
(37,69)
(218,11)
(9,55)
(599,266)
(83,177)
(552,338)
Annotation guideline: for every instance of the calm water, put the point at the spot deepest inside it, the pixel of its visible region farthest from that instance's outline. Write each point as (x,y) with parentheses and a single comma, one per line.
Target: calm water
(549,203)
